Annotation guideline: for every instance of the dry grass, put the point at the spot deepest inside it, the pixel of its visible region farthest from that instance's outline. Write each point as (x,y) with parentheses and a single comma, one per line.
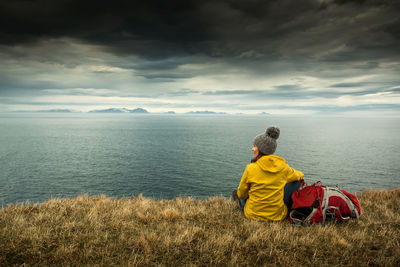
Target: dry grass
(184,231)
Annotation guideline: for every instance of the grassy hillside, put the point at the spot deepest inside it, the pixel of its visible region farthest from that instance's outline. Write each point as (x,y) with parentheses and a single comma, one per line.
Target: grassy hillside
(184,231)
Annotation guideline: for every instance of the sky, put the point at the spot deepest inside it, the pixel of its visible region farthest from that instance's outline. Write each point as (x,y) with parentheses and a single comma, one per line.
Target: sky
(237,56)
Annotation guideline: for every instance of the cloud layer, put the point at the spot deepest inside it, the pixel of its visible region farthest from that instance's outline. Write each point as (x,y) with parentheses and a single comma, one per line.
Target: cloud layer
(236,56)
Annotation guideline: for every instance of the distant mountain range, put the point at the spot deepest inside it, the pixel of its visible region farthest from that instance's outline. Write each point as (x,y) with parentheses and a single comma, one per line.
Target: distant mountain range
(125,110)
(204,112)
(141,110)
(119,110)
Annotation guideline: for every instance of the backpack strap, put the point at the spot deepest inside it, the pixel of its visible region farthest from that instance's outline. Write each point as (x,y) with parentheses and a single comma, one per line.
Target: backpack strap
(324,204)
(337,213)
(304,222)
(307,221)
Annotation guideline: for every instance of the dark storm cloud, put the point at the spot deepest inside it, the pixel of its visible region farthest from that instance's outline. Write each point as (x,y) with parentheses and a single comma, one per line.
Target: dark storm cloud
(161,29)
(152,29)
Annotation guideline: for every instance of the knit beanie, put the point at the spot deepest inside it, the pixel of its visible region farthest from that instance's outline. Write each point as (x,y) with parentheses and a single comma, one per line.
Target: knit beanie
(266,142)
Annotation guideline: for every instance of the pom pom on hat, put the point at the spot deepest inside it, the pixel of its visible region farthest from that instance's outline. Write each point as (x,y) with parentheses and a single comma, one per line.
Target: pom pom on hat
(273,132)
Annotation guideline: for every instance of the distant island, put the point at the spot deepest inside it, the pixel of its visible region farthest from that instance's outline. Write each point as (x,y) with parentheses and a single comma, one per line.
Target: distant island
(205,112)
(170,112)
(119,110)
(138,110)
(109,110)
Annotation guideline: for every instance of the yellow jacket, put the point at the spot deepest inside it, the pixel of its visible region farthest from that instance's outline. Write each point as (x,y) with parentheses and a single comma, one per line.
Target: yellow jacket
(262,183)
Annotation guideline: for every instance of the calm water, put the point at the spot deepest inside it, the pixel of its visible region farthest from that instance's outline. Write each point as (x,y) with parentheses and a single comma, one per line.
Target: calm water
(164,156)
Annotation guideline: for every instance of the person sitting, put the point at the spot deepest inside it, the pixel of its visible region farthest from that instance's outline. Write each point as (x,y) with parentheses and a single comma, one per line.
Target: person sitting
(265,190)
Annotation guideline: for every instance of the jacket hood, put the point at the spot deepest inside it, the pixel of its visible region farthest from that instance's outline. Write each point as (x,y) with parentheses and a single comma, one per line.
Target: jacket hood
(271,163)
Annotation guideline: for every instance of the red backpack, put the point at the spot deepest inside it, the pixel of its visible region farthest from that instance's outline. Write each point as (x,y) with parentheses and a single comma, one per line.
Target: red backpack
(318,203)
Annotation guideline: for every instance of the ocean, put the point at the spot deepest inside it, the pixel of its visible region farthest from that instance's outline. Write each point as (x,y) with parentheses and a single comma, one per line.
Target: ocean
(45,155)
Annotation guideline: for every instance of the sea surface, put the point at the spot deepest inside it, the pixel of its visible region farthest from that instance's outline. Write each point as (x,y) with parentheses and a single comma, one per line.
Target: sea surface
(44,155)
